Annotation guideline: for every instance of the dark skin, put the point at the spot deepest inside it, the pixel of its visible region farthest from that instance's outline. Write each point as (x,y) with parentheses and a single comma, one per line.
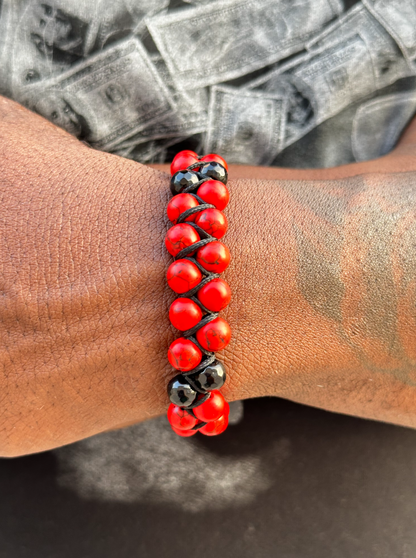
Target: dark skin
(322,275)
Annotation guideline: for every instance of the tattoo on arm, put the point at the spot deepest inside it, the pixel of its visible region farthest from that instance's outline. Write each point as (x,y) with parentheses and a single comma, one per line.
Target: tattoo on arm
(356,243)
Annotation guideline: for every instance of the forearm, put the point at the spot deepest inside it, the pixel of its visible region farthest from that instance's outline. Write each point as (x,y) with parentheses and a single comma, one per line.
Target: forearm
(84,317)
(83,321)
(328,317)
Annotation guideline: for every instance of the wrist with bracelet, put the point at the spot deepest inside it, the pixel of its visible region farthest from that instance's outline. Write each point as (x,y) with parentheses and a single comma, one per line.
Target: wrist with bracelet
(198,185)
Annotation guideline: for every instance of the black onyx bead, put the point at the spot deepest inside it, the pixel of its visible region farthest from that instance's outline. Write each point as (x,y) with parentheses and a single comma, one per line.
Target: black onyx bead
(181,180)
(180,392)
(211,377)
(214,171)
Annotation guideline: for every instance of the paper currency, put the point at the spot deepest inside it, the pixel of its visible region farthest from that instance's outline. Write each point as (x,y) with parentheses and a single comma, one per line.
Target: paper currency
(346,63)
(226,39)
(154,151)
(398,17)
(107,99)
(43,38)
(245,126)
(188,118)
(197,2)
(379,123)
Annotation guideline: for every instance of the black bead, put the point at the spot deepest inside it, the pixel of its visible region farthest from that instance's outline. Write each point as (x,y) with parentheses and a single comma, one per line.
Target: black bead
(211,377)
(215,171)
(180,392)
(181,180)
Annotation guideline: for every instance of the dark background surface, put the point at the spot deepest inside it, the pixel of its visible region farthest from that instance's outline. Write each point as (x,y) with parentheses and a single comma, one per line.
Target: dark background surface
(340,487)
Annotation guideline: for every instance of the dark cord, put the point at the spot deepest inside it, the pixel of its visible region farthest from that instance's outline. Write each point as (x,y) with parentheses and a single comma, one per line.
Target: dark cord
(206,238)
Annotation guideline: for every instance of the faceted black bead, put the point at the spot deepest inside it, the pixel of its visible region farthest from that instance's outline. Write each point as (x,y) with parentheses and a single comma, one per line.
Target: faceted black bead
(211,377)
(180,392)
(181,180)
(214,171)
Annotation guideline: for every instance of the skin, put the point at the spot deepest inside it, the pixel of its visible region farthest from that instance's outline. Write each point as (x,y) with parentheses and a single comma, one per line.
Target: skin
(322,275)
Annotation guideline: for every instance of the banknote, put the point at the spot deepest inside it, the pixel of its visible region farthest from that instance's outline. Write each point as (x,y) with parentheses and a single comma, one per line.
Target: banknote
(124,152)
(225,39)
(245,126)
(44,38)
(398,17)
(189,116)
(389,64)
(348,62)
(154,151)
(108,98)
(378,124)
(5,24)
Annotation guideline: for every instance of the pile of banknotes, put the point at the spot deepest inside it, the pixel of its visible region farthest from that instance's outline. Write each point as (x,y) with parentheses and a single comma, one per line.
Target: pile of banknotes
(245,78)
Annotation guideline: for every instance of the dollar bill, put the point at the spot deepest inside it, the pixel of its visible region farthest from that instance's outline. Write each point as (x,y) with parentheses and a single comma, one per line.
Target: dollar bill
(245,126)
(351,60)
(108,98)
(124,152)
(197,2)
(226,39)
(154,151)
(189,117)
(379,123)
(399,18)
(43,38)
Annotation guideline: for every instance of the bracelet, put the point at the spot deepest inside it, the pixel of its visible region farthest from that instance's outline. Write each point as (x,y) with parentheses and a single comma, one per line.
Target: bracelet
(198,185)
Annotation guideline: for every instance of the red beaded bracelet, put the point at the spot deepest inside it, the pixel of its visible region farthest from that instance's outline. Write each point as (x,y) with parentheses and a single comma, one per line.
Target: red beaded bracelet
(197,405)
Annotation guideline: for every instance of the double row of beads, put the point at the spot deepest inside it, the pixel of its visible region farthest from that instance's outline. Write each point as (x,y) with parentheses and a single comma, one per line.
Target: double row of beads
(198,185)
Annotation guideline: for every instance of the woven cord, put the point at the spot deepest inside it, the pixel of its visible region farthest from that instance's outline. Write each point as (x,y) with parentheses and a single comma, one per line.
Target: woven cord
(206,238)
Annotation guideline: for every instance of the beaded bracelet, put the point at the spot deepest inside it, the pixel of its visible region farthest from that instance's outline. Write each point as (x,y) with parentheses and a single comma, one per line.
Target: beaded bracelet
(196,404)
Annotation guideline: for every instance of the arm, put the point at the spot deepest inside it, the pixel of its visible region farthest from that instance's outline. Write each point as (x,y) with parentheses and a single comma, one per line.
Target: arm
(321,274)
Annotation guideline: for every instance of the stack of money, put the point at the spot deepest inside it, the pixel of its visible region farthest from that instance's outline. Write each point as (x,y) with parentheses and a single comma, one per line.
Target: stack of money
(247,78)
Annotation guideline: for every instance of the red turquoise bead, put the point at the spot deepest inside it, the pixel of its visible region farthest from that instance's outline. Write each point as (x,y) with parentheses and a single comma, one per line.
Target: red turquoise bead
(215,427)
(184,313)
(184,355)
(215,335)
(212,408)
(215,193)
(213,222)
(180,236)
(216,158)
(184,433)
(180,418)
(183,160)
(214,256)
(182,276)
(215,295)
(178,205)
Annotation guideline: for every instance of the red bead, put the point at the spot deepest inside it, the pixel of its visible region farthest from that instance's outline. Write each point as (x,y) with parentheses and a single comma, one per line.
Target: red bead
(184,433)
(182,276)
(179,204)
(215,295)
(212,408)
(213,222)
(215,193)
(214,256)
(215,427)
(215,335)
(184,355)
(179,237)
(180,418)
(184,313)
(216,158)
(183,160)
